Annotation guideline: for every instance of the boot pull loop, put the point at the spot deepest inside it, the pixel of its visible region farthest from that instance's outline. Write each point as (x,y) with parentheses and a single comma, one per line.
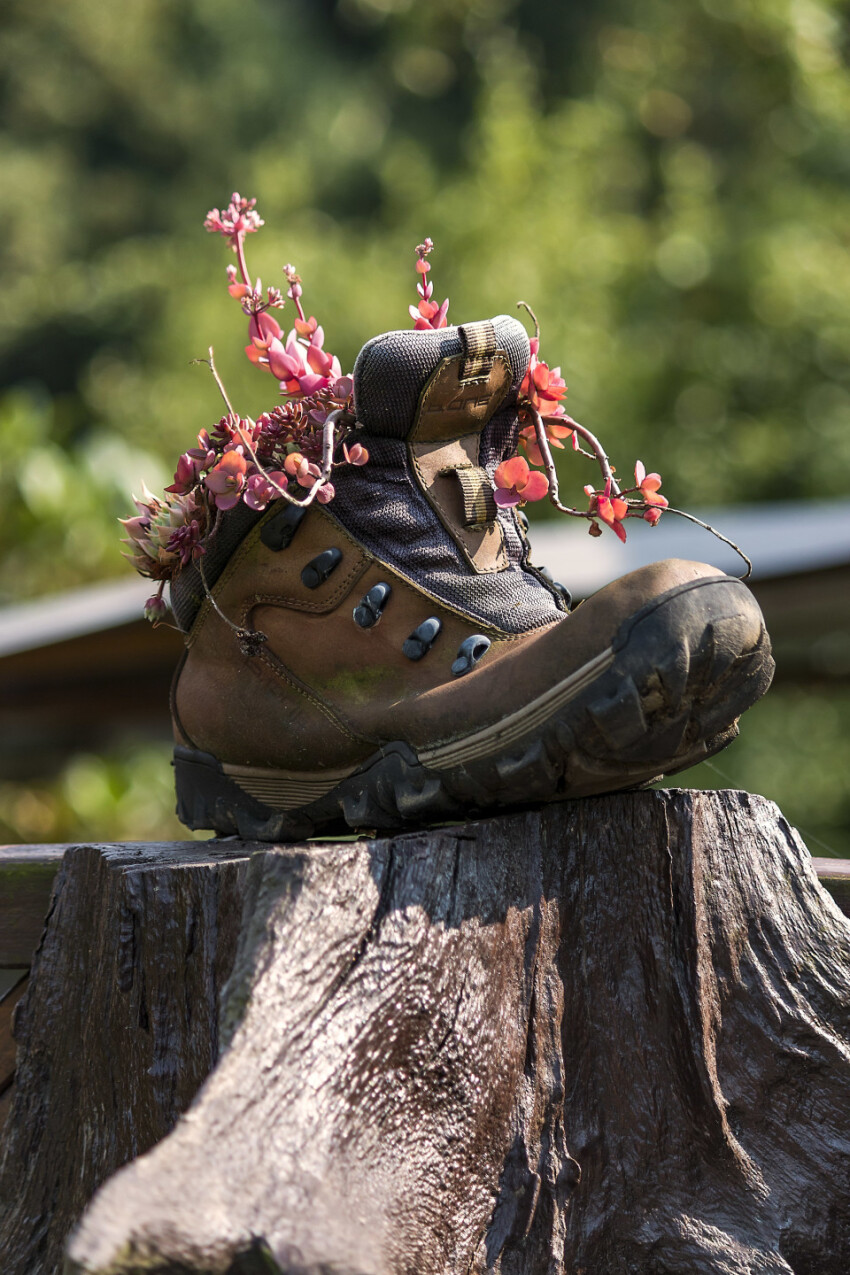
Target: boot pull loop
(479,347)
(479,502)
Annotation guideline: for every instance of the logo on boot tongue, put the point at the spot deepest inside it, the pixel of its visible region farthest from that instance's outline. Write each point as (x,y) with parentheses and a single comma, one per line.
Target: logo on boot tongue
(468,399)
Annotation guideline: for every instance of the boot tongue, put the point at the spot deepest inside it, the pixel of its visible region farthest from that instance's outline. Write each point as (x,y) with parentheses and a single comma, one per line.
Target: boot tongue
(478,368)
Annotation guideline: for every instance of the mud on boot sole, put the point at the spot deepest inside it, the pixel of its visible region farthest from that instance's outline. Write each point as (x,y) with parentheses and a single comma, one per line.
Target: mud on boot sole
(666,694)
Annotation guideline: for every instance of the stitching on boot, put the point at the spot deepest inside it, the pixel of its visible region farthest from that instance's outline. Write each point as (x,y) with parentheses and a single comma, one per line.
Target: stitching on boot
(281,671)
(245,548)
(329,603)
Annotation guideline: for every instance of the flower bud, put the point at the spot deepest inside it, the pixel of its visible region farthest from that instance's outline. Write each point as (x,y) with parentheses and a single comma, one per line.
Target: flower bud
(156,609)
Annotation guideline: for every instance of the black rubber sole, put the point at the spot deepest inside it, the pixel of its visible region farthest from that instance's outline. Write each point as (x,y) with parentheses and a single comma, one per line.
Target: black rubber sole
(665,695)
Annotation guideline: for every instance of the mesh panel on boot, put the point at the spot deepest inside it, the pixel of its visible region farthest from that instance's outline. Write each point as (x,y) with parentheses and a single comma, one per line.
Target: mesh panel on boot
(384,508)
(392,370)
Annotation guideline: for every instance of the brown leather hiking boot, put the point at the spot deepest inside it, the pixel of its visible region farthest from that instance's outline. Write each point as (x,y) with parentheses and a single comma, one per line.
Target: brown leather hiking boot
(400,660)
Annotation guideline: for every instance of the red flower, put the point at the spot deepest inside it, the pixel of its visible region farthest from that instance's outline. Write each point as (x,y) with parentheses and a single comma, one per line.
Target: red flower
(611,509)
(543,387)
(516,483)
(554,433)
(647,485)
(227,479)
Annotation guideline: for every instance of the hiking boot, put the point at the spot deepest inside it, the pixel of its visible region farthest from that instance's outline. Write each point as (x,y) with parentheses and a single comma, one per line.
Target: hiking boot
(399,661)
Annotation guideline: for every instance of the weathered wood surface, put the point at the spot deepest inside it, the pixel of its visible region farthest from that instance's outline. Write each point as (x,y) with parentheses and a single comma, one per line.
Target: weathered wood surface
(611,1036)
(27,873)
(119,1029)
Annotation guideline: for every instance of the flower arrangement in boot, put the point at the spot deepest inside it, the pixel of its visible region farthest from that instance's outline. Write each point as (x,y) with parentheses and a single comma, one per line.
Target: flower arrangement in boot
(291,451)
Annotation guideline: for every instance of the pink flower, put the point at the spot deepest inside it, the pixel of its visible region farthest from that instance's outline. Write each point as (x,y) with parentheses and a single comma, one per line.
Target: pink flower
(227,479)
(648,485)
(554,434)
(611,509)
(322,363)
(516,483)
(652,516)
(306,327)
(238,219)
(342,388)
(356,454)
(301,370)
(260,489)
(263,329)
(427,315)
(544,387)
(190,466)
(301,469)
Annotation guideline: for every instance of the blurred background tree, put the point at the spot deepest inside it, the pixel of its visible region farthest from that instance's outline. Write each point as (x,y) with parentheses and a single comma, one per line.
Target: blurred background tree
(666,181)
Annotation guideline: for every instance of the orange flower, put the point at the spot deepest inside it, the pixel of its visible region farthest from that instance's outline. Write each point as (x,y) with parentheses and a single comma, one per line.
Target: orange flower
(611,509)
(647,485)
(544,387)
(516,483)
(554,433)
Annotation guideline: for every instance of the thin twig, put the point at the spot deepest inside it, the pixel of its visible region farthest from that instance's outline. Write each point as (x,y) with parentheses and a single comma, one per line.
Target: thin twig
(707,526)
(549,466)
(249,640)
(210,362)
(523,305)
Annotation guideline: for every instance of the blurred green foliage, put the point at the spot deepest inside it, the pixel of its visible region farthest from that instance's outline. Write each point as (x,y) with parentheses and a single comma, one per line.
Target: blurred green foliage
(666,182)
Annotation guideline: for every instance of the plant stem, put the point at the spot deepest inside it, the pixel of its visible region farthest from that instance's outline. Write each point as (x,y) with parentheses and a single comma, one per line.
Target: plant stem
(707,526)
(549,466)
(240,257)
(525,306)
(210,362)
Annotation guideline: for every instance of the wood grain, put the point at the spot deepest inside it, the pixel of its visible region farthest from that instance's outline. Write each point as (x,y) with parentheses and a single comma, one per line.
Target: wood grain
(611,1036)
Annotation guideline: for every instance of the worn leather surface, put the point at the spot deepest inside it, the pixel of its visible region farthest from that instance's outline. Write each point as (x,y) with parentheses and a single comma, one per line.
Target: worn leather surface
(451,406)
(324,693)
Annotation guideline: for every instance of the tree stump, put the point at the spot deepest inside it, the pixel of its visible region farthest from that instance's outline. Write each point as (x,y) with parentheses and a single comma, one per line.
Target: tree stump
(606,1037)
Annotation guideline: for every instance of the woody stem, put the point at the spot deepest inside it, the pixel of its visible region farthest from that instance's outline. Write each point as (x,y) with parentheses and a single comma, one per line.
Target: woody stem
(549,466)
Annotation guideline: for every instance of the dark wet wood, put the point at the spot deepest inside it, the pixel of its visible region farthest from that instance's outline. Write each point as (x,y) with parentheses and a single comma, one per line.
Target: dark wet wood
(118,1029)
(610,1037)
